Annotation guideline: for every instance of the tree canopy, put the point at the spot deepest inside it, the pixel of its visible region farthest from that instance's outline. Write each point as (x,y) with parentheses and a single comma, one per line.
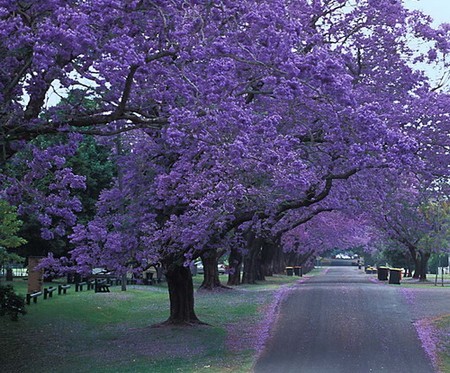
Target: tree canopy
(223,118)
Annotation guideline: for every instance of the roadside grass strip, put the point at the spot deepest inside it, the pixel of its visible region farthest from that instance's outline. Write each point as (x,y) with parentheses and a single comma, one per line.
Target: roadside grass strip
(442,327)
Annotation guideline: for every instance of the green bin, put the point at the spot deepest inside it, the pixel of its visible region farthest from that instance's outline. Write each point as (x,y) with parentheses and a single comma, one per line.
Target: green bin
(383,273)
(395,275)
(298,271)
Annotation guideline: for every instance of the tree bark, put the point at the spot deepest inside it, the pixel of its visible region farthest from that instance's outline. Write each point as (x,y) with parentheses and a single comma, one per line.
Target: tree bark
(423,266)
(267,256)
(415,259)
(409,271)
(181,295)
(279,261)
(252,261)
(235,263)
(211,280)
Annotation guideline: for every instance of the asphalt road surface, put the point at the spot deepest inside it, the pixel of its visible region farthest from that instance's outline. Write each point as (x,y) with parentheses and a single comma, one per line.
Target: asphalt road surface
(340,321)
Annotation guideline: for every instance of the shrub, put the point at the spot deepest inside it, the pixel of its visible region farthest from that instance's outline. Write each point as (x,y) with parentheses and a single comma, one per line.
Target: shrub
(10,303)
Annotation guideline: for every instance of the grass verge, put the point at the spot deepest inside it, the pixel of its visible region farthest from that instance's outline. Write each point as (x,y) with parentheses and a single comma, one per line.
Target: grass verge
(113,332)
(442,325)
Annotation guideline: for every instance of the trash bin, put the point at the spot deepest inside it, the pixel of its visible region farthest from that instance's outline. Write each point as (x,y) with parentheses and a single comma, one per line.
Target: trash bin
(298,271)
(383,273)
(369,270)
(395,275)
(290,271)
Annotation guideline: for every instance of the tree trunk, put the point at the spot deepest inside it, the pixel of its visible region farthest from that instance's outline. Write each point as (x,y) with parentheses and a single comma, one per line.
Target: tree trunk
(252,261)
(423,266)
(181,295)
(408,270)
(267,255)
(279,261)
(416,262)
(307,262)
(235,264)
(211,279)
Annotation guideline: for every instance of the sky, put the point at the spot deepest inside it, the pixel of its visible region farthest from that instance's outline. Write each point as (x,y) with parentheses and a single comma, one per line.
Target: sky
(438,9)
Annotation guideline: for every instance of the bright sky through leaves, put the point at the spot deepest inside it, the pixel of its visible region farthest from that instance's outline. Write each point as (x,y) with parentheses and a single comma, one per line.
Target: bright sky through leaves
(438,9)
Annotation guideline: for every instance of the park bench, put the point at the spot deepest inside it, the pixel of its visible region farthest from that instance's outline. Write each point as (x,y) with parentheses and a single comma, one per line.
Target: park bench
(79,286)
(90,284)
(63,289)
(33,296)
(48,292)
(101,286)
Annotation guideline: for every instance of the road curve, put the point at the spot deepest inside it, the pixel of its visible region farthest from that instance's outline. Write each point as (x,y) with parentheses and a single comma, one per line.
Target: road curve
(340,321)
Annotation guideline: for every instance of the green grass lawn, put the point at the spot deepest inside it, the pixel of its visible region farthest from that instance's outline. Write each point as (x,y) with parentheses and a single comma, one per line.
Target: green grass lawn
(443,326)
(429,282)
(114,332)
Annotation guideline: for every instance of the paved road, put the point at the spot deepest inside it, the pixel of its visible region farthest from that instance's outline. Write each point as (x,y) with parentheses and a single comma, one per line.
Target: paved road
(341,322)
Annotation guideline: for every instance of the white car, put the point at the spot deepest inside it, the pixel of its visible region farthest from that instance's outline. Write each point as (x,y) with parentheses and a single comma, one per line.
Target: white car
(200,269)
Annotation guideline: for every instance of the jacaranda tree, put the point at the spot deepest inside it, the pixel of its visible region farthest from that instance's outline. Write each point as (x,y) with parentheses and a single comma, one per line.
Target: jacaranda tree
(410,215)
(229,118)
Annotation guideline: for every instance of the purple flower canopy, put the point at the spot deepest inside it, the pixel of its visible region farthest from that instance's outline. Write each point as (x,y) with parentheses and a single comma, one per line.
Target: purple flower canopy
(231,115)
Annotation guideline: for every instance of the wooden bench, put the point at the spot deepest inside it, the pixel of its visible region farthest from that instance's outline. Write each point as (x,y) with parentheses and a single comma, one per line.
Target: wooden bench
(63,289)
(101,286)
(79,286)
(48,292)
(33,296)
(91,284)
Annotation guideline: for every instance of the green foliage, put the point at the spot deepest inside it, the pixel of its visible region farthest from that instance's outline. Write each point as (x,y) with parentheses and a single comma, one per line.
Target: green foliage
(437,216)
(11,304)
(397,257)
(91,160)
(6,257)
(94,162)
(9,226)
(437,260)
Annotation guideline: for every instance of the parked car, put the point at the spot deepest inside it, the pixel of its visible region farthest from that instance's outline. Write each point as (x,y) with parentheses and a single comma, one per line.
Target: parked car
(200,269)
(222,269)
